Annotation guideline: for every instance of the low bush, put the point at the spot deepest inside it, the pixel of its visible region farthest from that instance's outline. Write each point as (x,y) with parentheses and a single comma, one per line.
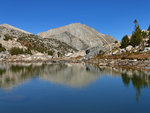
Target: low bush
(116,42)
(59,54)
(17,51)
(2,48)
(28,51)
(7,37)
(51,53)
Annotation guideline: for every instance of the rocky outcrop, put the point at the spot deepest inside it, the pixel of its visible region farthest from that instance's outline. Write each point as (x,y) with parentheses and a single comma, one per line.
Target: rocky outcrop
(96,50)
(79,36)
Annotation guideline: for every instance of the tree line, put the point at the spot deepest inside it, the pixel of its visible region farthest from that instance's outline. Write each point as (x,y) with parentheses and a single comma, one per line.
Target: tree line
(136,38)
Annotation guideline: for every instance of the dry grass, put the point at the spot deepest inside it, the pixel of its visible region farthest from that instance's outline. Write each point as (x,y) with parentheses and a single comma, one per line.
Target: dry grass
(138,56)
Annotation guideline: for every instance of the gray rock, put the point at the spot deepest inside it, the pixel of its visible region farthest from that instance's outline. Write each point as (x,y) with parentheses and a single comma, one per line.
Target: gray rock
(95,51)
(135,51)
(147,48)
(129,48)
(115,52)
(122,50)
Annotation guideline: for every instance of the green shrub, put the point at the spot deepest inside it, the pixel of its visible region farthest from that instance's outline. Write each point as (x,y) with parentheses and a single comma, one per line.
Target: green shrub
(28,51)
(2,48)
(116,42)
(125,42)
(16,51)
(7,37)
(51,53)
(40,49)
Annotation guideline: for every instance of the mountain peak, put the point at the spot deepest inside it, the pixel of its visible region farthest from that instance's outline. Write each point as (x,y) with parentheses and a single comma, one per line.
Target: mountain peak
(84,37)
(76,24)
(13,28)
(6,25)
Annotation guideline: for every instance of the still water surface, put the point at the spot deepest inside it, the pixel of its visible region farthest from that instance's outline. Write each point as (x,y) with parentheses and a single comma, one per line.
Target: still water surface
(72,88)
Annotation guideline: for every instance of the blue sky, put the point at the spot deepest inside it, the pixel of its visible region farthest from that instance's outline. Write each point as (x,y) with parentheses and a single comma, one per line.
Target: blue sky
(113,17)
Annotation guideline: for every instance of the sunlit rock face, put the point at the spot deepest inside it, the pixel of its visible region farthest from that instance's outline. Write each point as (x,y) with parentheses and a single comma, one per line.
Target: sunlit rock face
(79,36)
(67,74)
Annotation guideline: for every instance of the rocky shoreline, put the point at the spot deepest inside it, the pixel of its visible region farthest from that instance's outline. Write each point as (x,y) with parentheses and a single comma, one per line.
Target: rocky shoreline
(126,63)
(131,64)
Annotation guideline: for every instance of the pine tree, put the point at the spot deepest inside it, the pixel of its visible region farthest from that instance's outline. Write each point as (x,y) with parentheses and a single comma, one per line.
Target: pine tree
(136,25)
(148,28)
(125,41)
(144,34)
(136,38)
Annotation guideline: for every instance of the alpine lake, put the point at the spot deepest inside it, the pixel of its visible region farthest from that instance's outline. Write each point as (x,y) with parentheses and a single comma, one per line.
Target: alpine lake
(72,88)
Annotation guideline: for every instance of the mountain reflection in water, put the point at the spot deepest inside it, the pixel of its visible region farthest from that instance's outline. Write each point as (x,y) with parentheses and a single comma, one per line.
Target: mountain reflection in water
(72,75)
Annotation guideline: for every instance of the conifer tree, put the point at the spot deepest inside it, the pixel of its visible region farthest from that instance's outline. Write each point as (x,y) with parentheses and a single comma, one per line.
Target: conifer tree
(148,28)
(136,38)
(125,41)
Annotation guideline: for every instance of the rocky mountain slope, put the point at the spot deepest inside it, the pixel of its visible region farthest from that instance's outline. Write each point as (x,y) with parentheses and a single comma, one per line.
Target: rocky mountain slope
(11,37)
(79,36)
(64,41)
(12,31)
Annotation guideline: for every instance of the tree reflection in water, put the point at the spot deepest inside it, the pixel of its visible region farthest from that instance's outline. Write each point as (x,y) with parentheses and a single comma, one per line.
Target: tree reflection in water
(139,79)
